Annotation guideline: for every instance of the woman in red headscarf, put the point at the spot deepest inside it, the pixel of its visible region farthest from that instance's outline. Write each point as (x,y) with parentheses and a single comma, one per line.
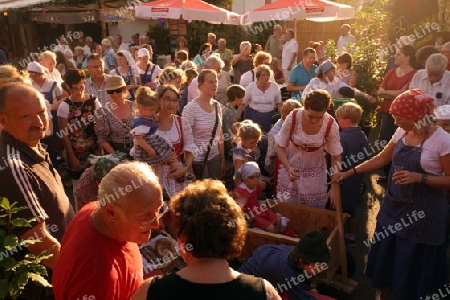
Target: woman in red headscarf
(407,255)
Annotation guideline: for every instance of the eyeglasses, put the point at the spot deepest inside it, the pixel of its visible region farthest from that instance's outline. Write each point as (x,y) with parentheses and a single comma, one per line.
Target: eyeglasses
(162,211)
(172,100)
(117,91)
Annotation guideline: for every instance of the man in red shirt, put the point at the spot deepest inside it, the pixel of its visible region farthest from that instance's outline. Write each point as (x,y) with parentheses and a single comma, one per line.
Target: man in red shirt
(100,258)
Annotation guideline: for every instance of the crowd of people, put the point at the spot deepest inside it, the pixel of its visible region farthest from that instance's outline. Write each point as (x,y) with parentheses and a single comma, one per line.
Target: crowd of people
(145,147)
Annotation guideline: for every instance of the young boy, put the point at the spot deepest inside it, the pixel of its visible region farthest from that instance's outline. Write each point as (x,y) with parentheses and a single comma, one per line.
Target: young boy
(353,142)
(230,115)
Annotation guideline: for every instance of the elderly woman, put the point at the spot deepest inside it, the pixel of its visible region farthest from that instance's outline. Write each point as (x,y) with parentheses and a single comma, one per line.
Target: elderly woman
(178,132)
(211,229)
(202,55)
(204,115)
(75,119)
(409,261)
(148,71)
(115,118)
(242,62)
(261,58)
(262,98)
(300,144)
(127,70)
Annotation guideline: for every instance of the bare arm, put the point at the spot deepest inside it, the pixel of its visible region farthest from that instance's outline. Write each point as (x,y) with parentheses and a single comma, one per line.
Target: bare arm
(107,146)
(47,241)
(73,160)
(293,88)
(436,181)
(374,163)
(281,153)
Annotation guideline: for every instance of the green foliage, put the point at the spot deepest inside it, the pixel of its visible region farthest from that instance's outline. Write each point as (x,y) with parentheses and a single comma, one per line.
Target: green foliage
(15,274)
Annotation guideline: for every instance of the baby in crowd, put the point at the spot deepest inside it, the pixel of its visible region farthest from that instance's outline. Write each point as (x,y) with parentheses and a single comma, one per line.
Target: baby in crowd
(150,144)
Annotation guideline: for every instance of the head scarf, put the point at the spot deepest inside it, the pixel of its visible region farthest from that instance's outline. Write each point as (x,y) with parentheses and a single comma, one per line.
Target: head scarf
(128,57)
(413,104)
(247,169)
(325,67)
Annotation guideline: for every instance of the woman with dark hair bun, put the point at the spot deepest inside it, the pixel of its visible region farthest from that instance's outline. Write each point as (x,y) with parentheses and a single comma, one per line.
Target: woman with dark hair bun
(211,229)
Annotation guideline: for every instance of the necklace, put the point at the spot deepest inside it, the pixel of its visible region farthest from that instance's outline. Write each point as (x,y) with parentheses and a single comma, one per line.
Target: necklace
(77,107)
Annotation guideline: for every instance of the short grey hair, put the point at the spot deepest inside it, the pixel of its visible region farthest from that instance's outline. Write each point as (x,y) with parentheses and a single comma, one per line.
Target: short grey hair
(244,44)
(436,62)
(291,31)
(214,60)
(222,40)
(277,26)
(106,42)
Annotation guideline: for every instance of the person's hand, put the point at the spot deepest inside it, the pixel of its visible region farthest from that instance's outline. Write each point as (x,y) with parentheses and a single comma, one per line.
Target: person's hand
(370,98)
(293,173)
(179,172)
(406,177)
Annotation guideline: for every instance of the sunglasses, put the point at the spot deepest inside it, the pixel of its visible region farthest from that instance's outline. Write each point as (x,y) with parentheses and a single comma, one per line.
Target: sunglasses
(117,91)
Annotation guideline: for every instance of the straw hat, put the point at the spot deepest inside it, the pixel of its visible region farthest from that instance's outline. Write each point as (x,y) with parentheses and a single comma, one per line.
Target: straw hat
(114,82)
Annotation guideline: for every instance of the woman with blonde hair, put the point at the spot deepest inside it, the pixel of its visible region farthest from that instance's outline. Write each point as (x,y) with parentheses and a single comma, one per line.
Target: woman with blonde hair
(260,58)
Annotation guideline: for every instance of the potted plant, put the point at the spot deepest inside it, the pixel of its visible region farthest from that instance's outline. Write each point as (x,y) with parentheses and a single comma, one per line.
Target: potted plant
(16,273)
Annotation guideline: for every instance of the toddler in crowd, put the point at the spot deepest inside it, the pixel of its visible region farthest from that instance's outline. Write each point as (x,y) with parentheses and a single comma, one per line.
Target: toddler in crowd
(230,115)
(150,145)
(247,138)
(288,106)
(246,194)
(354,142)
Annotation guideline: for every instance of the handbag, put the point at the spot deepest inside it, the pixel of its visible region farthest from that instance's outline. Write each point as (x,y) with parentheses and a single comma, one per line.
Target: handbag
(211,140)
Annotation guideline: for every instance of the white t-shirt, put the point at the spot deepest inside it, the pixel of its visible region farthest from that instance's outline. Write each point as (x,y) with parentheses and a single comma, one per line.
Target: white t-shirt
(331,87)
(262,101)
(289,49)
(436,146)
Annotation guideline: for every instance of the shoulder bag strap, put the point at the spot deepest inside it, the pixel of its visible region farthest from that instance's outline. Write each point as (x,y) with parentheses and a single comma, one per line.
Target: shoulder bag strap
(211,140)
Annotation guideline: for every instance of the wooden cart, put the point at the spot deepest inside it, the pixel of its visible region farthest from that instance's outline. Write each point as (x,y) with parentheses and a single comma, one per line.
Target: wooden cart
(303,219)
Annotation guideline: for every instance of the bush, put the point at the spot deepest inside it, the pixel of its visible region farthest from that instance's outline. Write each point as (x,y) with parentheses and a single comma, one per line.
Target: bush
(15,274)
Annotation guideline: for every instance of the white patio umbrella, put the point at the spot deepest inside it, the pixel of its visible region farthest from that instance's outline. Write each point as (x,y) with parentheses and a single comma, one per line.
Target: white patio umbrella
(313,10)
(188,10)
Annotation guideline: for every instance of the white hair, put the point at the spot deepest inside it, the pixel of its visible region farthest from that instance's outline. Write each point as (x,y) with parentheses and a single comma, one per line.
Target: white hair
(436,62)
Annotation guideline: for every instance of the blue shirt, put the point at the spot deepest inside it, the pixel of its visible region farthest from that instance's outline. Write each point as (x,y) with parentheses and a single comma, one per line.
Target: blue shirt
(299,77)
(271,262)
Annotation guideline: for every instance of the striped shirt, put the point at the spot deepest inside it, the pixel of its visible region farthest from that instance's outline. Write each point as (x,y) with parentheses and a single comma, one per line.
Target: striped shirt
(28,177)
(202,124)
